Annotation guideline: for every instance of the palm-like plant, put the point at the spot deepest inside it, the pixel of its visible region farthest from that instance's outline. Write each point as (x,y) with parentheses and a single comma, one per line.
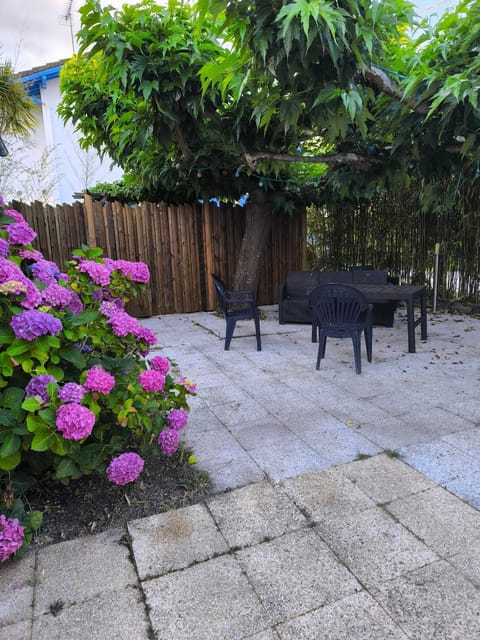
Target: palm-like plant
(16,107)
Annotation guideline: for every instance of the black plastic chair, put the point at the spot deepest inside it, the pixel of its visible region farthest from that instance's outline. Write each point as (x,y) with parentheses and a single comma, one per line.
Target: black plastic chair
(236,305)
(340,311)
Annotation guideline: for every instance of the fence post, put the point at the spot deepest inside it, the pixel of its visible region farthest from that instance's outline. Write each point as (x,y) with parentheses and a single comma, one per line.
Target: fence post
(90,221)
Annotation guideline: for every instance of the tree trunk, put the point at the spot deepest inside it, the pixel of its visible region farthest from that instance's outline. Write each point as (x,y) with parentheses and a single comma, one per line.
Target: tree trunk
(258,224)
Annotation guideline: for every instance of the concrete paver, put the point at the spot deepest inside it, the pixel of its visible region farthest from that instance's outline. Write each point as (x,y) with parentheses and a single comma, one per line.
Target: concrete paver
(356,616)
(118,615)
(270,514)
(174,540)
(17,580)
(443,522)
(295,573)
(384,478)
(319,534)
(432,603)
(209,600)
(374,546)
(81,569)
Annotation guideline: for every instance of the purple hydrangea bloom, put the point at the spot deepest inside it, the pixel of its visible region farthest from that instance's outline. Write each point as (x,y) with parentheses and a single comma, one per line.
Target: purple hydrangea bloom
(74,421)
(31,324)
(44,271)
(10,271)
(98,272)
(152,381)
(11,537)
(168,441)
(160,364)
(75,305)
(33,297)
(37,386)
(99,380)
(177,419)
(108,308)
(125,468)
(56,296)
(71,392)
(13,213)
(20,233)
(4,247)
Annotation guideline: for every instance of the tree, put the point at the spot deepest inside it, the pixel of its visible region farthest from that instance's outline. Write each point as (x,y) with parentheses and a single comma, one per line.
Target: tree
(232,97)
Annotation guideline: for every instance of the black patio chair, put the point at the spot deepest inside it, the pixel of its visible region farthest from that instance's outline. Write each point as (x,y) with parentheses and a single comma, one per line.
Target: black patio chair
(236,305)
(340,311)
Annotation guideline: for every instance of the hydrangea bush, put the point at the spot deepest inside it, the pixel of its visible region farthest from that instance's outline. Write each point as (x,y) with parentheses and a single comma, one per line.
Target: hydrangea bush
(77,393)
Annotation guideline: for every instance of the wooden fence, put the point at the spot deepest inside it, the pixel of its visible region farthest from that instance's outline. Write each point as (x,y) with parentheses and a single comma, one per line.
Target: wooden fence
(181,244)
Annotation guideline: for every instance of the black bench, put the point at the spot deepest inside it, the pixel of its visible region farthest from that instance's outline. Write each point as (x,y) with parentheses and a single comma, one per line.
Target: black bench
(294,293)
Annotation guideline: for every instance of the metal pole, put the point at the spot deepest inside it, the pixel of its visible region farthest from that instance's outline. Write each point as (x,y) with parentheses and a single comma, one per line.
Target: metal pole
(435,277)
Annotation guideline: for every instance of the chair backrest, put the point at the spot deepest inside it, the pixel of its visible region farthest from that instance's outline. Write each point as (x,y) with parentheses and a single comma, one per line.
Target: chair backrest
(301,283)
(326,277)
(369,276)
(338,304)
(220,291)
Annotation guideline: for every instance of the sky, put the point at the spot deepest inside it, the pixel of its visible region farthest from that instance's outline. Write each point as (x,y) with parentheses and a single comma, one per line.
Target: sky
(35,32)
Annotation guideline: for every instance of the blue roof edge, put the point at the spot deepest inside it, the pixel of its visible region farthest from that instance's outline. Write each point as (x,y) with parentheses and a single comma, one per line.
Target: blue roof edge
(38,80)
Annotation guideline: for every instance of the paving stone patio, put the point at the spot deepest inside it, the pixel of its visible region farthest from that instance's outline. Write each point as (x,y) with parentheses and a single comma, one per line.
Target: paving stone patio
(343,506)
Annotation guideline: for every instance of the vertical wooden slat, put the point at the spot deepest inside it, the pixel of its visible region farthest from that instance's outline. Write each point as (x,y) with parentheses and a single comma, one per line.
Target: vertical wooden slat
(181,244)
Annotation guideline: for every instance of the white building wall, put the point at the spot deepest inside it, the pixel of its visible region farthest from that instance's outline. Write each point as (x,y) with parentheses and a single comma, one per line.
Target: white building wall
(74,168)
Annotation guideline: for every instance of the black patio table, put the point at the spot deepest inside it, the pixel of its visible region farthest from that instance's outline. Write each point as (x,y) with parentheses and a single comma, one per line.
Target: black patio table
(407,293)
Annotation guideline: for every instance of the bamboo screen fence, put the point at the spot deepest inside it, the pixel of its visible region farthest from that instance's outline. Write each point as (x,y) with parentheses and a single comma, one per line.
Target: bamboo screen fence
(181,244)
(393,233)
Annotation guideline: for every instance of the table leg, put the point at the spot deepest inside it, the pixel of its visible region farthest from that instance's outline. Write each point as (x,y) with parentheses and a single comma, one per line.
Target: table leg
(411,324)
(423,316)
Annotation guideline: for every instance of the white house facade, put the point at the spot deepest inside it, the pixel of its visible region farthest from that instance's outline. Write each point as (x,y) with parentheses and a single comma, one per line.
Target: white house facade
(72,169)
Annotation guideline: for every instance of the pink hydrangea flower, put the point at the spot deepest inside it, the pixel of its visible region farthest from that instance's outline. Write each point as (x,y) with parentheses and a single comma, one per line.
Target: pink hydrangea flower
(189,385)
(136,271)
(74,421)
(160,364)
(11,537)
(168,441)
(125,468)
(152,381)
(122,323)
(99,380)
(177,419)
(30,254)
(147,335)
(98,272)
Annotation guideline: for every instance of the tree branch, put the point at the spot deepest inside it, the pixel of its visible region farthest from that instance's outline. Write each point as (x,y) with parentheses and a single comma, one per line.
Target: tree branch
(252,159)
(382,81)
